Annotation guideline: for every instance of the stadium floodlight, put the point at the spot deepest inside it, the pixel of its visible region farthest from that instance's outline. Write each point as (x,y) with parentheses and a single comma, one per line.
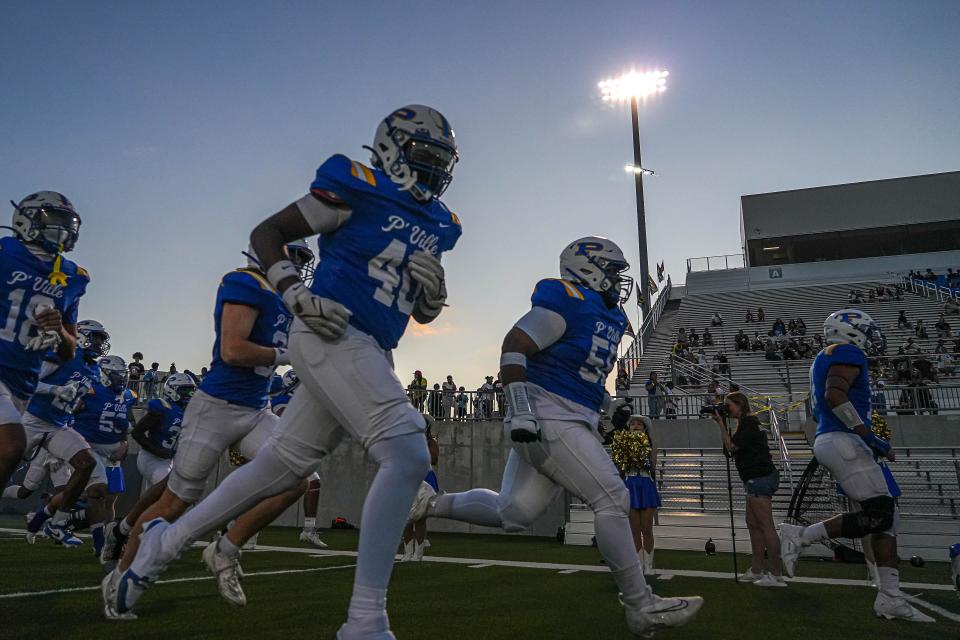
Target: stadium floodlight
(634,85)
(639,170)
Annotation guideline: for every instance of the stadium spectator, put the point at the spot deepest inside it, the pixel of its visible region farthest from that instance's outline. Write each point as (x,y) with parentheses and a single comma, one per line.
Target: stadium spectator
(435,401)
(622,384)
(778,329)
(486,392)
(951,307)
(637,465)
(941,346)
(498,395)
(789,351)
(151,381)
(723,364)
(956,345)
(771,352)
(693,338)
(902,322)
(930,276)
(449,388)
(751,453)
(757,343)
(792,328)
(878,399)
(417,390)
(707,338)
(136,370)
(741,341)
(682,335)
(462,401)
(911,348)
(920,329)
(942,327)
(702,358)
(946,364)
(871,295)
(916,398)
(760,315)
(818,341)
(653,387)
(716,320)
(669,401)
(801,327)
(749,315)
(805,349)
(855,297)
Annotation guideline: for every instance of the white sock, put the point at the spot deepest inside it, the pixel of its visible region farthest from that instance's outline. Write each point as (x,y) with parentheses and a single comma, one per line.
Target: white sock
(369,605)
(477,506)
(12,491)
(124,527)
(309,524)
(403,461)
(60,517)
(227,548)
(814,533)
(889,580)
(263,477)
(615,544)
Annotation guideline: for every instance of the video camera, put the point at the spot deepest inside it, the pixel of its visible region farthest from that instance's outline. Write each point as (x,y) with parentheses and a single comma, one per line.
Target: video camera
(710,409)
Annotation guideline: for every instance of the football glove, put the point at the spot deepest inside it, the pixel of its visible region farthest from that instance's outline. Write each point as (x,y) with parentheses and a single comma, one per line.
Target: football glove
(65,394)
(327,318)
(46,340)
(427,271)
(522,421)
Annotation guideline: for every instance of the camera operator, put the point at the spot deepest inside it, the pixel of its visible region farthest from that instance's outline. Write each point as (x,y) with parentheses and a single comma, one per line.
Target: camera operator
(751,453)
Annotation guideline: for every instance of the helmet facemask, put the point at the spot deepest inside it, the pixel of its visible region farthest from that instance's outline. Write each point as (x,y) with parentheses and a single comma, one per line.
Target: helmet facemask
(54,229)
(616,286)
(303,259)
(95,344)
(113,379)
(432,164)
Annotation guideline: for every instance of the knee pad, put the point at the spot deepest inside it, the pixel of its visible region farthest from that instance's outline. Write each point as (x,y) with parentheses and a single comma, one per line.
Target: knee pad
(877,516)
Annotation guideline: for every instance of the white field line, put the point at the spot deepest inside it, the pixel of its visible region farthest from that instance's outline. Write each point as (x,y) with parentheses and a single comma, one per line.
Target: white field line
(666,574)
(949,615)
(27,594)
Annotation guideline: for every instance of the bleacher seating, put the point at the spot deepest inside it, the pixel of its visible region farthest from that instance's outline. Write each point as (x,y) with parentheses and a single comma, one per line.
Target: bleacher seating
(812,304)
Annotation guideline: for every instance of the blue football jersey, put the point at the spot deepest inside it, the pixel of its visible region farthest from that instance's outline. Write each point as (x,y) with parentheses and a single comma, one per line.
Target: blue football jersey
(27,282)
(167,433)
(247,386)
(103,419)
(576,366)
(364,265)
(78,370)
(859,393)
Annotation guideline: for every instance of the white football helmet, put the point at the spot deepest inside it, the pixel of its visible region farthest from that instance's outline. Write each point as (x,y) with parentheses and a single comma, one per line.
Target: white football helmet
(300,254)
(178,388)
(851,326)
(113,373)
(290,380)
(597,263)
(93,338)
(47,219)
(415,147)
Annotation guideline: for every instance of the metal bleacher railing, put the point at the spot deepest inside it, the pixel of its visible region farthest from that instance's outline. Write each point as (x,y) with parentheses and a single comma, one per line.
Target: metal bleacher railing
(928,289)
(631,357)
(716,263)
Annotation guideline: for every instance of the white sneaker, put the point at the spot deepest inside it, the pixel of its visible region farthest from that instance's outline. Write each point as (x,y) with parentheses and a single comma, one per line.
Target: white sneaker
(750,576)
(791,544)
(418,550)
(408,549)
(425,495)
(228,573)
(661,613)
(897,608)
(108,590)
(310,536)
(150,563)
(768,580)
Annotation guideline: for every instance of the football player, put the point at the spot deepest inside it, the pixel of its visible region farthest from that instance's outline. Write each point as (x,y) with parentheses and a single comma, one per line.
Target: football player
(382,232)
(283,388)
(47,425)
(39,297)
(103,419)
(230,410)
(845,444)
(158,430)
(554,365)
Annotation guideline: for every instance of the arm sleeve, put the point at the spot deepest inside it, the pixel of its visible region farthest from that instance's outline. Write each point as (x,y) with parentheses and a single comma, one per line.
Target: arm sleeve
(543,326)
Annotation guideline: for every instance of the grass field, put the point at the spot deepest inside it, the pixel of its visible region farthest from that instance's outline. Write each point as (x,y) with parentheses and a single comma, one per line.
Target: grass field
(294,595)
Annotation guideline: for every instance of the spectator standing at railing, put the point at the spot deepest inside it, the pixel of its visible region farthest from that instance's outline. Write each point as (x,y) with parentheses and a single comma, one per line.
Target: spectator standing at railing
(669,401)
(771,352)
(486,397)
(652,385)
(449,391)
(902,322)
(462,401)
(716,320)
(435,401)
(136,370)
(418,390)
(749,316)
(151,381)
(622,384)
(942,327)
(749,448)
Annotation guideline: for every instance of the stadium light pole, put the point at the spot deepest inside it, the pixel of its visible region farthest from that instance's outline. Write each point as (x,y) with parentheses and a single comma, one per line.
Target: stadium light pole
(635,86)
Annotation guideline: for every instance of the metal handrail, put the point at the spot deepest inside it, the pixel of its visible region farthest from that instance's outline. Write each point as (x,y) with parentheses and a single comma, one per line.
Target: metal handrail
(631,357)
(726,262)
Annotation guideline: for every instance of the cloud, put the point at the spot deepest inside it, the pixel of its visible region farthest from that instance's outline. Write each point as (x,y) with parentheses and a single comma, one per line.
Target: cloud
(432,329)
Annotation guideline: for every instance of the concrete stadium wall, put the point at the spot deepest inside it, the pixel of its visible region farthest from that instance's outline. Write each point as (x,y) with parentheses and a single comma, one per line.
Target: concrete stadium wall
(914,431)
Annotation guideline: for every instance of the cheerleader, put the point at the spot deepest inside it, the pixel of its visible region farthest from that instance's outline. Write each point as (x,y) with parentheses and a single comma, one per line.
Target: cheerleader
(636,457)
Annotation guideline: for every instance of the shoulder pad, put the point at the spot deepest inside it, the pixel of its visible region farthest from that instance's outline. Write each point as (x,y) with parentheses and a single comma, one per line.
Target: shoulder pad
(559,286)
(249,278)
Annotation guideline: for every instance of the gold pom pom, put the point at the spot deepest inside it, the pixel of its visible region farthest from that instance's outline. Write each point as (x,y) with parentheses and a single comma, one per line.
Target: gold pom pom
(630,451)
(236,458)
(880,427)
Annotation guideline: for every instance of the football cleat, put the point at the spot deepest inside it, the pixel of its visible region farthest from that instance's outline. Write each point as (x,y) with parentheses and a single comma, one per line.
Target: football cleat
(661,613)
(227,571)
(376,628)
(791,544)
(418,550)
(425,500)
(768,580)
(35,522)
(113,543)
(312,537)
(897,608)
(108,589)
(251,544)
(61,534)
